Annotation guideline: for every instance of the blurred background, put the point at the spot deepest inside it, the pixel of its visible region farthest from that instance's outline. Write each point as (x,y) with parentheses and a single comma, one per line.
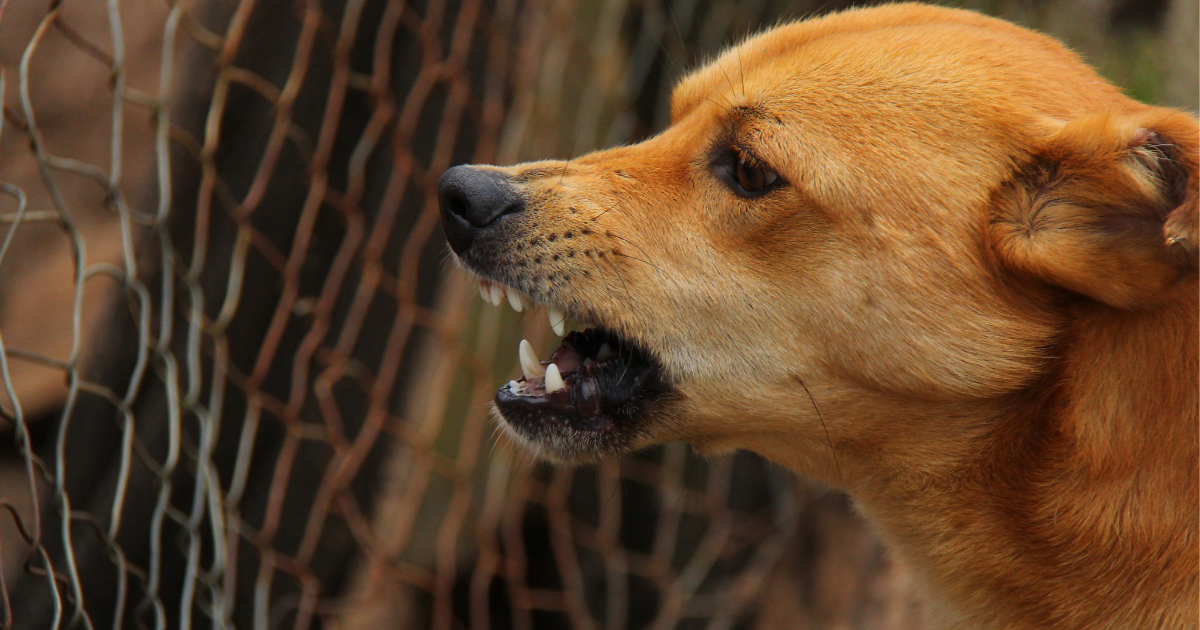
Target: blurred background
(242,387)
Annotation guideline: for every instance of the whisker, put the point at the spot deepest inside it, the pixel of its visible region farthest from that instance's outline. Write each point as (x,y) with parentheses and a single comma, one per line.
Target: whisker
(620,277)
(602,276)
(662,45)
(495,440)
(742,69)
(728,107)
(611,208)
(727,79)
(675,22)
(635,258)
(570,154)
(616,487)
(618,236)
(828,439)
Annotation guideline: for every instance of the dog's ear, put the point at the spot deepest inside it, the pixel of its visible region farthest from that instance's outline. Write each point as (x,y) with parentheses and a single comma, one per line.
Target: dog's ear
(1106,207)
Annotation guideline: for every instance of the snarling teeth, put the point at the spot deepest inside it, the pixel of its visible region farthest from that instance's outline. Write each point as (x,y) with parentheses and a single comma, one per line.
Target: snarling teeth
(494,293)
(530,366)
(558,321)
(596,381)
(591,376)
(575,361)
(554,379)
(515,300)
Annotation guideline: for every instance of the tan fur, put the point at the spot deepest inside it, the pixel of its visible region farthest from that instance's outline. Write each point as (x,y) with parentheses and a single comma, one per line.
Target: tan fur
(982,268)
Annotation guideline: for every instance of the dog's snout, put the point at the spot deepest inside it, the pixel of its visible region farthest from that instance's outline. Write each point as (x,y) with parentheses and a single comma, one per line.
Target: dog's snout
(471,200)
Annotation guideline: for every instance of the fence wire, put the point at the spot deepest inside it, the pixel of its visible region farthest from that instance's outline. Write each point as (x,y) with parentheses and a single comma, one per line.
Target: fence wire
(244,389)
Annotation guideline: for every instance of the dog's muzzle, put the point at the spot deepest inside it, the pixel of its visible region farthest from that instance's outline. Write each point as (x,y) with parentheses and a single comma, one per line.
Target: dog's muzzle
(600,389)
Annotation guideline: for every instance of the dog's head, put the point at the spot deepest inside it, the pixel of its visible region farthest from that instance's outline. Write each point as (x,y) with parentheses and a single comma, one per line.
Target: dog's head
(849,219)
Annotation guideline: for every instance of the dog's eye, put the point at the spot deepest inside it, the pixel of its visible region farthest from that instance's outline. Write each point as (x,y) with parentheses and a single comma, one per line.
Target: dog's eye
(752,176)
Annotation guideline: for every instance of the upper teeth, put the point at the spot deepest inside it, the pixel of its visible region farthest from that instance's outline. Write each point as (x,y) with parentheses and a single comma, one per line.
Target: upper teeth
(558,321)
(494,293)
(515,301)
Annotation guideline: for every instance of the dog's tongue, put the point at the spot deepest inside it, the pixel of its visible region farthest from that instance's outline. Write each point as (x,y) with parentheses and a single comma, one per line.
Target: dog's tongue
(566,357)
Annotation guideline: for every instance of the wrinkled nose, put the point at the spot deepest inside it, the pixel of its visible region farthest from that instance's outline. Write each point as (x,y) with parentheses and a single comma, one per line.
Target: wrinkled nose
(471,200)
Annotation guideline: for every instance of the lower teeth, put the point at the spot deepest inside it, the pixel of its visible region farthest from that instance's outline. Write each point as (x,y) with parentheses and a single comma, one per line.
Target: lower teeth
(554,379)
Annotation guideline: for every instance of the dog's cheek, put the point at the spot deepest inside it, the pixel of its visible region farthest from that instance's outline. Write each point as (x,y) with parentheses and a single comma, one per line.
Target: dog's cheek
(941,332)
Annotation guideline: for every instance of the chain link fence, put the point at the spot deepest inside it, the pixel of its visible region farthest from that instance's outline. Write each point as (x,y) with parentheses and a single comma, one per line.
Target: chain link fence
(242,386)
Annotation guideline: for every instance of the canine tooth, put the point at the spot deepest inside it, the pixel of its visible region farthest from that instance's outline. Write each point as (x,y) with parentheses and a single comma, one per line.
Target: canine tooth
(554,380)
(529,361)
(516,300)
(483,293)
(558,321)
(497,294)
(605,353)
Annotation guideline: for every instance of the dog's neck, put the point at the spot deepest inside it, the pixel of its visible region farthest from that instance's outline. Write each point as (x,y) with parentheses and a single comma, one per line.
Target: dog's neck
(1080,483)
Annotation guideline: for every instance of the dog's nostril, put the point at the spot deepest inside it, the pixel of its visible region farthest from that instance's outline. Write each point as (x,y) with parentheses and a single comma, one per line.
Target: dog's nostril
(457,206)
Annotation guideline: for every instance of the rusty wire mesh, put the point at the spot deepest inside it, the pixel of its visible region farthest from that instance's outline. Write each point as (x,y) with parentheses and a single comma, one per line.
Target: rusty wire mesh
(243,388)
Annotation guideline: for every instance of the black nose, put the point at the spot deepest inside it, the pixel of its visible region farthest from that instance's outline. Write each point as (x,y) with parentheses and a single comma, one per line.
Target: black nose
(471,200)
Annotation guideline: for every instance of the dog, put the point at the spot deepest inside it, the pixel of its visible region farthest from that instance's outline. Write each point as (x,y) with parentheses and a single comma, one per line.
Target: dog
(924,255)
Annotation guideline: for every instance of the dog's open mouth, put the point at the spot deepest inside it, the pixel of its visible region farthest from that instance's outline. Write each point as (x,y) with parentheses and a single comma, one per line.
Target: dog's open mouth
(589,396)
(589,381)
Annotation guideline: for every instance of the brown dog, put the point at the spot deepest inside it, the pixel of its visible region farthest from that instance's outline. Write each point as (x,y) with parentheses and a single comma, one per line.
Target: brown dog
(922,254)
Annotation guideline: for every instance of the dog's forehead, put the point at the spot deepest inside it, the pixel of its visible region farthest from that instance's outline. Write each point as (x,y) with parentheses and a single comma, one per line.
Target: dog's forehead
(904,57)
